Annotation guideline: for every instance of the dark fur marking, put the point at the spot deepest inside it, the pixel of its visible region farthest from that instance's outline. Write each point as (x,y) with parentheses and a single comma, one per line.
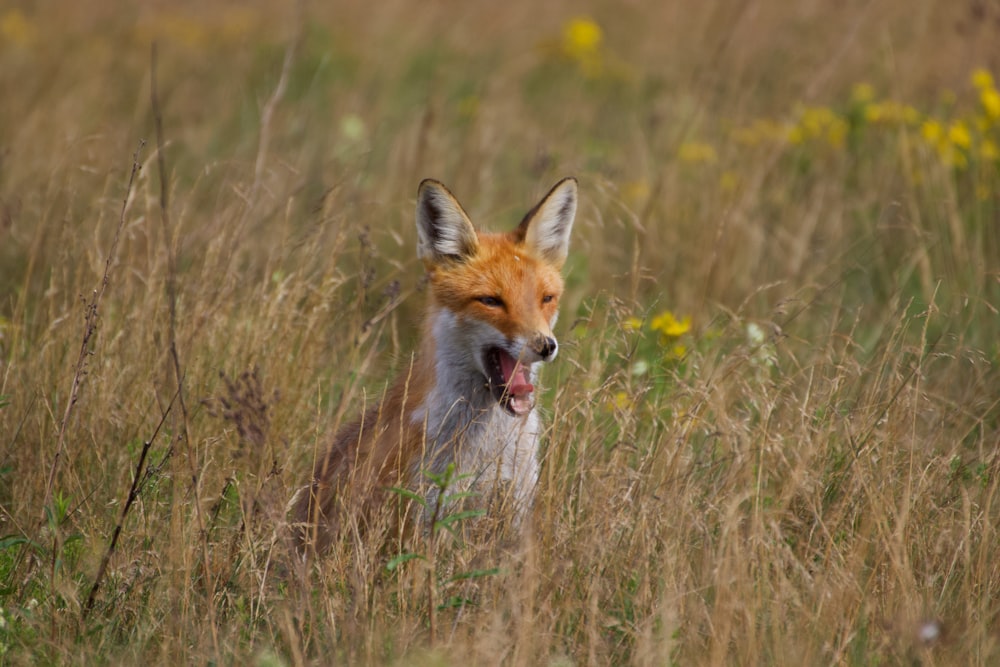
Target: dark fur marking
(432,215)
(564,211)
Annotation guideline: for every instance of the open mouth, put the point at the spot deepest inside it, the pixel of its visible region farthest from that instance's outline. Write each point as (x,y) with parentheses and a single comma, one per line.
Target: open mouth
(509,381)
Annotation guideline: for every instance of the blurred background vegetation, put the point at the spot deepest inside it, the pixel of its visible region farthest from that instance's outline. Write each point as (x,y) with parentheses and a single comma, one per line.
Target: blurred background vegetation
(779,385)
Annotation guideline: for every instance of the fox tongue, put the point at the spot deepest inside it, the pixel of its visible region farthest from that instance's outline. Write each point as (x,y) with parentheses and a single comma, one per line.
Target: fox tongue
(514,376)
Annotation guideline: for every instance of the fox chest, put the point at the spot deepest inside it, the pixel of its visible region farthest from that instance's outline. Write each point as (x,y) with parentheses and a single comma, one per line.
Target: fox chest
(489,450)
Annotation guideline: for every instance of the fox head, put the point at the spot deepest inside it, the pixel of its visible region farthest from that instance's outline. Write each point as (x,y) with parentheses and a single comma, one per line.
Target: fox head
(495,295)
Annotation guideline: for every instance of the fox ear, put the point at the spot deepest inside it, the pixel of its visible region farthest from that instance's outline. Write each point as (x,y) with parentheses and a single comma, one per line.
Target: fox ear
(444,231)
(545,229)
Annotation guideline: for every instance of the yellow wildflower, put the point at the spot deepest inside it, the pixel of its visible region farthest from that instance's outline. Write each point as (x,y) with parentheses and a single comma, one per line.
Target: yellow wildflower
(910,115)
(695,152)
(582,37)
(958,134)
(15,27)
(667,324)
(932,131)
(729,181)
(990,100)
(862,93)
(875,113)
(622,401)
(581,42)
(815,120)
(632,324)
(982,79)
(836,133)
(891,112)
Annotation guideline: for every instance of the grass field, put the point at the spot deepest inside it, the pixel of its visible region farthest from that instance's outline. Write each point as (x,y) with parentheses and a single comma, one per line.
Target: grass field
(774,422)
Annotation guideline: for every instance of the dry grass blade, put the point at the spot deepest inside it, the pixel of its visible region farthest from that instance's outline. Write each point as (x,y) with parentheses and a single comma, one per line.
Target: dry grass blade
(91,313)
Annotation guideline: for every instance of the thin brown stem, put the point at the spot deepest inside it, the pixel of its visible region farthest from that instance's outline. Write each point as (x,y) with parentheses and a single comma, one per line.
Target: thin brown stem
(138,482)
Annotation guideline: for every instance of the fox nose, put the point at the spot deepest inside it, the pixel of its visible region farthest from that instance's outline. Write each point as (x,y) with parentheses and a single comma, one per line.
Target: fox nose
(546,347)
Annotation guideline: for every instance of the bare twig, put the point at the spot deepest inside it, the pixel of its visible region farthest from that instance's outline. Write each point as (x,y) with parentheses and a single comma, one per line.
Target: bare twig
(138,482)
(267,113)
(265,123)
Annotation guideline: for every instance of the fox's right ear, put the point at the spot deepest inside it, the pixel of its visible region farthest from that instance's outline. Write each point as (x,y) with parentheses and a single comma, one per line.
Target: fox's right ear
(545,229)
(444,231)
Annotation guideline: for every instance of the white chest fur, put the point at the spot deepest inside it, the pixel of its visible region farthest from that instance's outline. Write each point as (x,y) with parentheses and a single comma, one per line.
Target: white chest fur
(464,424)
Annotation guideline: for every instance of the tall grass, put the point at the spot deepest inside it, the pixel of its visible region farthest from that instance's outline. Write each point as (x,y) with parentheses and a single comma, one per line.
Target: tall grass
(805,471)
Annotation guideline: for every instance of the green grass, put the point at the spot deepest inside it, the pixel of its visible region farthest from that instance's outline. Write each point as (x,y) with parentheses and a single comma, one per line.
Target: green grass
(805,473)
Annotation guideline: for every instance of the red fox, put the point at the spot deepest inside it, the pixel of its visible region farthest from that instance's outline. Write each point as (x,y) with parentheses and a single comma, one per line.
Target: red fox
(467,397)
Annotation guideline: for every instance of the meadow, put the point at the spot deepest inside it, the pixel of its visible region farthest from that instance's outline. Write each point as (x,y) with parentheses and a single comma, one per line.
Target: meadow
(773,424)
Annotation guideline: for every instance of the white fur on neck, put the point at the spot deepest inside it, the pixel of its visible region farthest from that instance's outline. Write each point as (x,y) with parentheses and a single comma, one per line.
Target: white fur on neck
(465,424)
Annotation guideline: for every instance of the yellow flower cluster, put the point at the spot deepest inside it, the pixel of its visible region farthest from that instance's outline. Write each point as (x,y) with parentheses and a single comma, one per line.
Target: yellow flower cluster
(811,124)
(961,140)
(989,98)
(668,324)
(956,141)
(671,329)
(818,123)
(882,112)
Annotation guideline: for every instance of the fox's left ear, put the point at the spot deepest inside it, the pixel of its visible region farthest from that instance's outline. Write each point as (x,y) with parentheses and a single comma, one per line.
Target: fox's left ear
(545,229)
(444,231)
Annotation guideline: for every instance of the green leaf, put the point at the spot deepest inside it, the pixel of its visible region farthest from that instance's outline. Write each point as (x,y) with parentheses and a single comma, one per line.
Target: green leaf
(12,541)
(458,495)
(402,558)
(406,493)
(474,574)
(456,517)
(455,602)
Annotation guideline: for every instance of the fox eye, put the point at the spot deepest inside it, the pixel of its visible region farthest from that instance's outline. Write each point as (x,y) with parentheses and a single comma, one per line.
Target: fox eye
(548,298)
(491,301)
